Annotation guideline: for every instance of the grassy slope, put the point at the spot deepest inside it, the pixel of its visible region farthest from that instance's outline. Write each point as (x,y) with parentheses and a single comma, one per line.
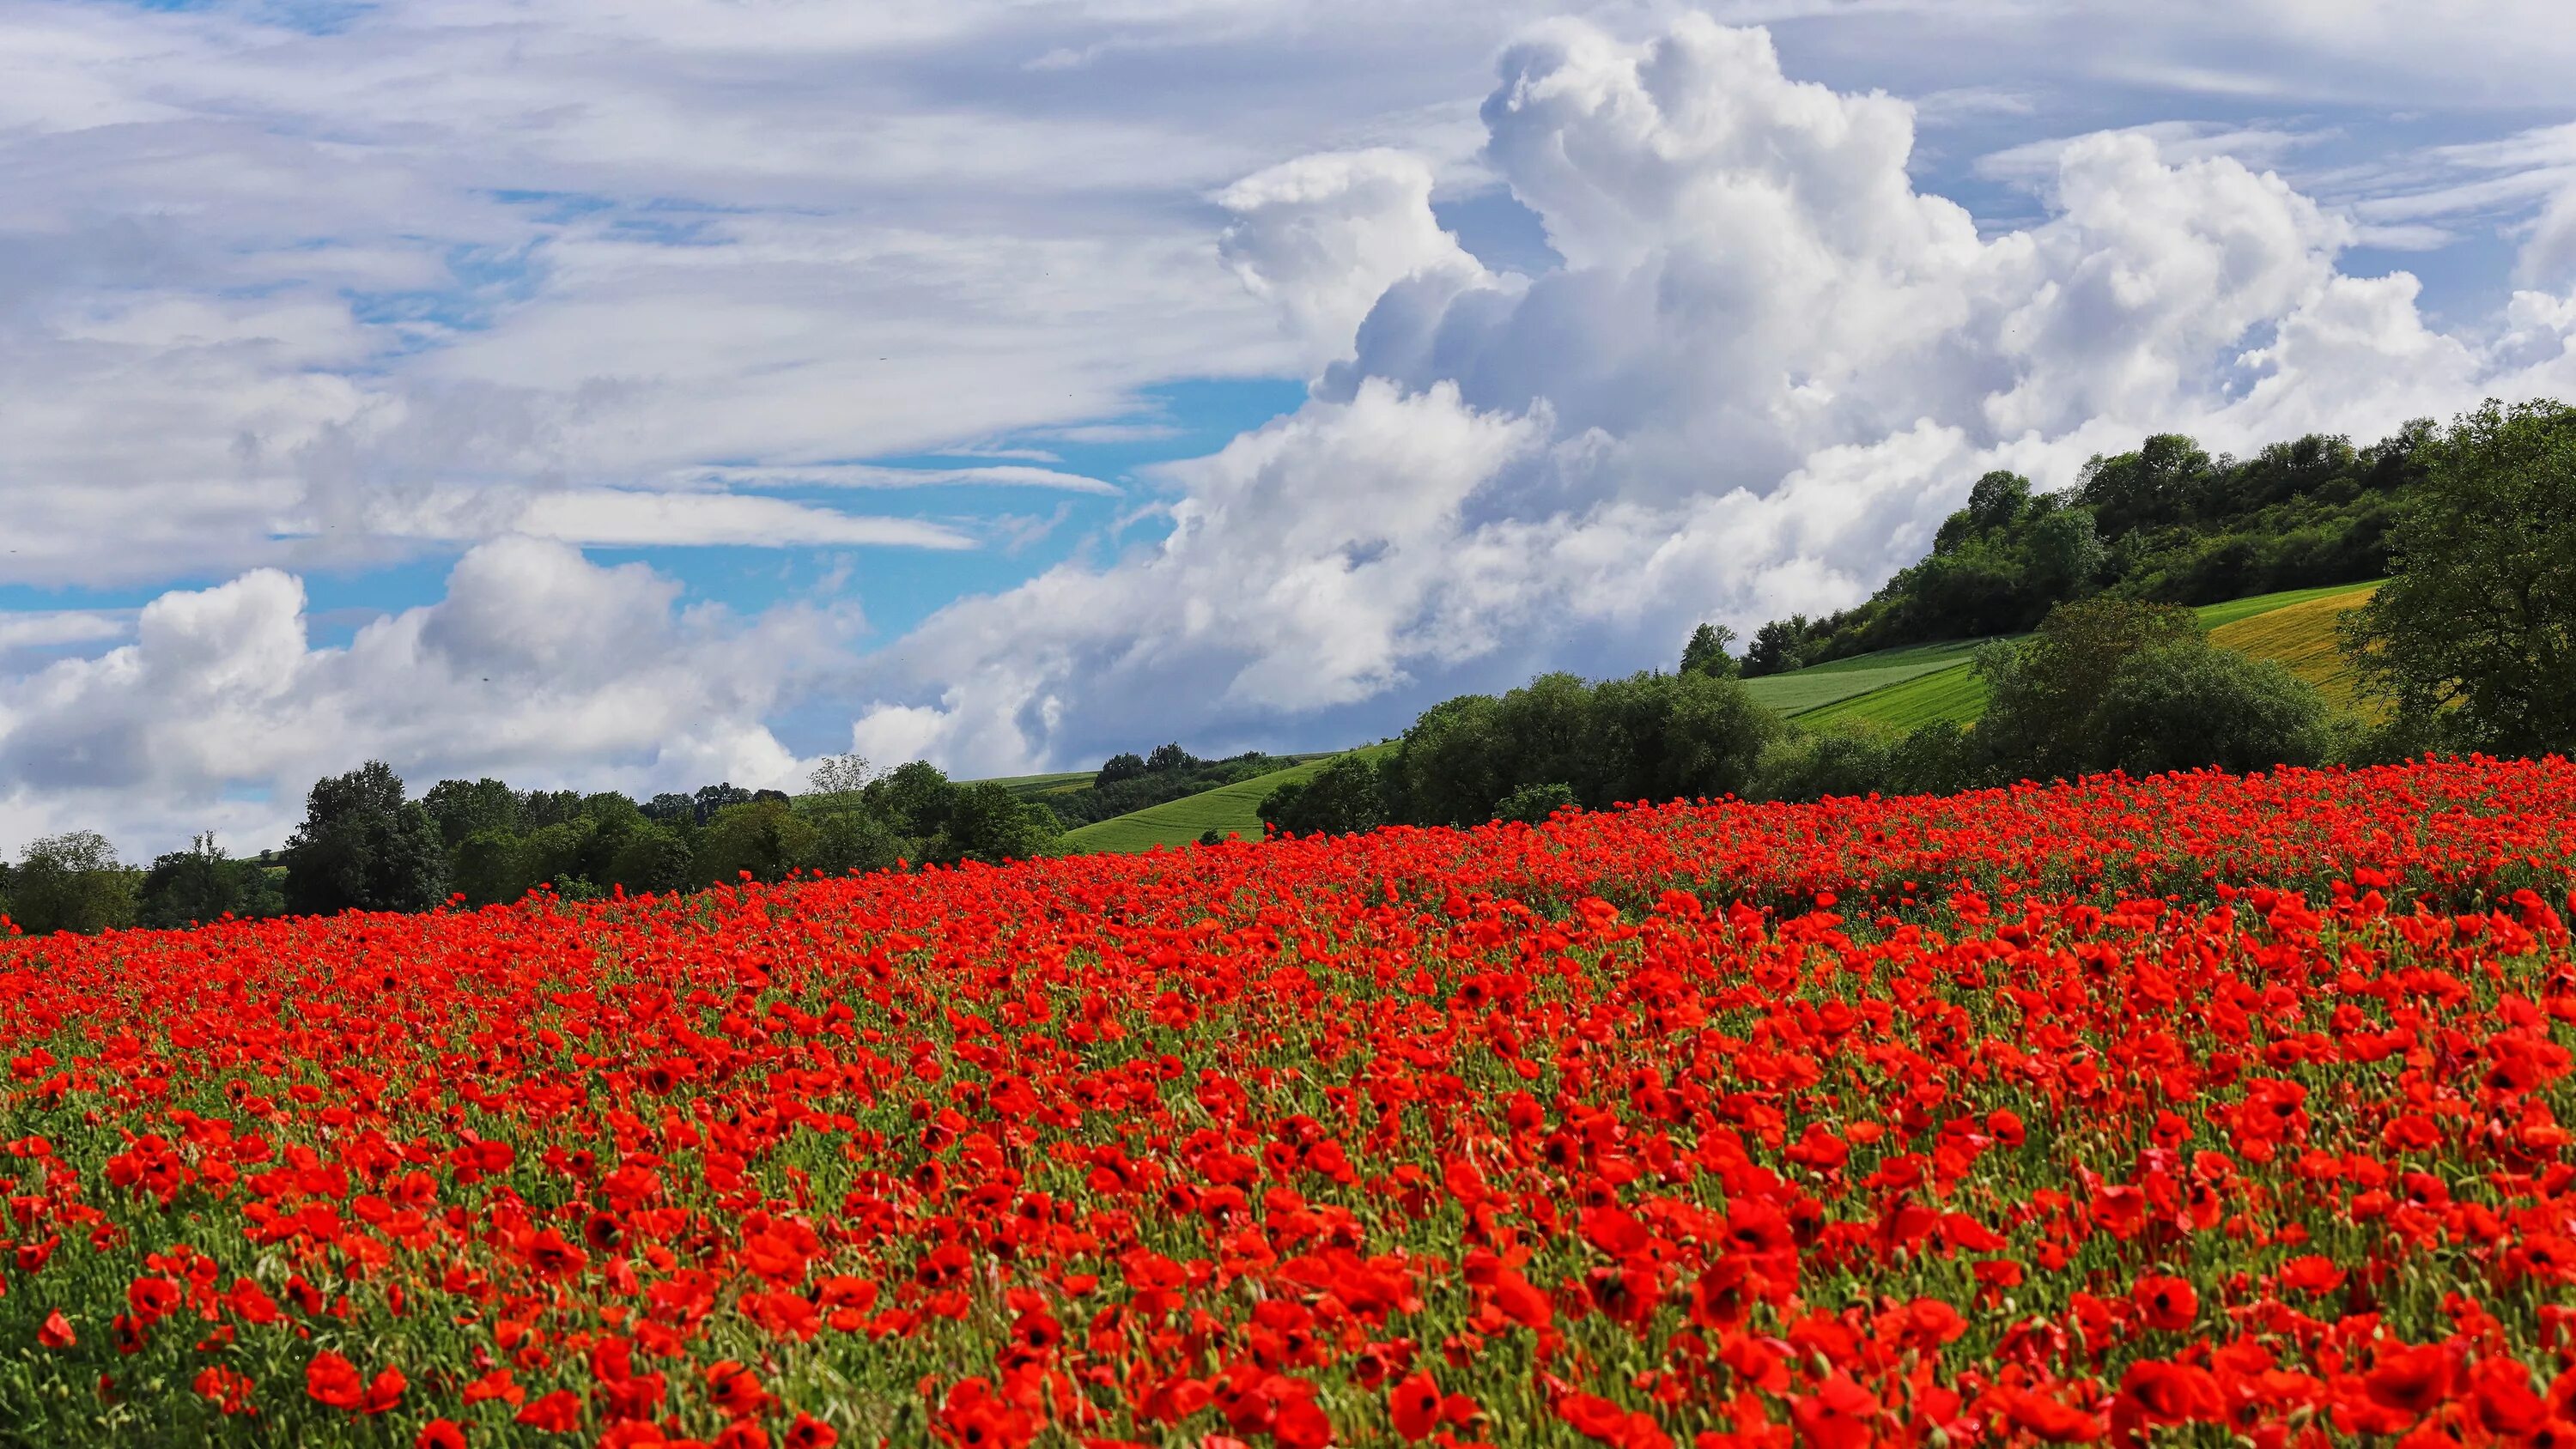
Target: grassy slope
(1234,807)
(2302,637)
(1954,693)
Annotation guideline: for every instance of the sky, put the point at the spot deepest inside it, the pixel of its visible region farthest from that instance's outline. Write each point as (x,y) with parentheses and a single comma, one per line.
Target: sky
(634,397)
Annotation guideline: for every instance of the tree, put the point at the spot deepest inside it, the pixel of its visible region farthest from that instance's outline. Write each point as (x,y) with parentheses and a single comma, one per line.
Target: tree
(2183,705)
(1126,766)
(2042,717)
(1845,757)
(1169,757)
(2158,484)
(202,883)
(839,774)
(763,837)
(855,840)
(462,807)
(70,882)
(489,868)
(2480,617)
(913,798)
(1343,798)
(1708,651)
(362,846)
(541,808)
(1534,804)
(1778,647)
(987,822)
(652,860)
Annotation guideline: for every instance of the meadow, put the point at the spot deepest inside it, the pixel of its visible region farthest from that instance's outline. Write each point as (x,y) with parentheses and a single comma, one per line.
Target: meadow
(2223,1109)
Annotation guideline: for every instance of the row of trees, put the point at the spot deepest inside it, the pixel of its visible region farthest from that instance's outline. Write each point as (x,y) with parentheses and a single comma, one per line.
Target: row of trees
(366,844)
(2470,645)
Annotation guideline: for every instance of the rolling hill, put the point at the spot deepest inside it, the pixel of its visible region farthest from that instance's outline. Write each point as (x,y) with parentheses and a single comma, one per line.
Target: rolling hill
(2295,627)
(1899,688)
(1234,808)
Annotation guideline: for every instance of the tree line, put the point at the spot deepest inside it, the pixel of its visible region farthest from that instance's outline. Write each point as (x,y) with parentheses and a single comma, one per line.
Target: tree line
(2163,523)
(366,844)
(2470,645)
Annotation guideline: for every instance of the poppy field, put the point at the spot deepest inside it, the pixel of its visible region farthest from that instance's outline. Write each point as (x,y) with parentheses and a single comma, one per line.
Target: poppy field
(2203,1109)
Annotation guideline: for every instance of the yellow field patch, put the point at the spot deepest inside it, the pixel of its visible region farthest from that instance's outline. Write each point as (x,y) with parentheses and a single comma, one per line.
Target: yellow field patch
(2302,638)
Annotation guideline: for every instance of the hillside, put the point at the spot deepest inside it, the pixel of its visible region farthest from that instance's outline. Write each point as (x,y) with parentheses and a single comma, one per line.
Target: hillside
(1235,808)
(2301,636)
(1900,688)
(2295,626)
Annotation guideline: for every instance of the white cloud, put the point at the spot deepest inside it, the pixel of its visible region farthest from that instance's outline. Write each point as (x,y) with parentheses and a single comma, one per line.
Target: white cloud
(1769,367)
(867,475)
(536,665)
(275,301)
(1325,236)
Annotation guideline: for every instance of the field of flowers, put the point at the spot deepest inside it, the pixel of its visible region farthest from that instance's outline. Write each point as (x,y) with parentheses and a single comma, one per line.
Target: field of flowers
(2210,1109)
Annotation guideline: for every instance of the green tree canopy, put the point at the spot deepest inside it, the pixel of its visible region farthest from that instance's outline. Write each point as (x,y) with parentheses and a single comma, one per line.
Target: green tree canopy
(70,882)
(1342,798)
(2479,621)
(362,846)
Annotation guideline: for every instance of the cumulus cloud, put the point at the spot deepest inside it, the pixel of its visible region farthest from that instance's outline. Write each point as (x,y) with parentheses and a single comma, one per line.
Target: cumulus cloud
(1325,236)
(536,665)
(1768,366)
(508,280)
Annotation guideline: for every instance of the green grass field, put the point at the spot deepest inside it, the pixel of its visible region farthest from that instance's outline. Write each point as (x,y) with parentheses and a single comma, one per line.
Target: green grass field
(1808,690)
(1952,692)
(1235,808)
(1031,787)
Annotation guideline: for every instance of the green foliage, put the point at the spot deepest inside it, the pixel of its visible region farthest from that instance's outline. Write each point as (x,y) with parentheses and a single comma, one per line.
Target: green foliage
(1342,798)
(1533,804)
(987,822)
(202,883)
(488,869)
(362,846)
(850,840)
(913,799)
(840,774)
(1646,737)
(70,882)
(462,807)
(764,839)
(1126,766)
(652,860)
(2043,718)
(2186,705)
(2113,684)
(1709,651)
(2480,619)
(1844,757)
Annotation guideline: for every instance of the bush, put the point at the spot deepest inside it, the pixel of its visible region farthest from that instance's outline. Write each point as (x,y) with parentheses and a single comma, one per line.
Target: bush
(653,860)
(1847,757)
(1533,804)
(2184,705)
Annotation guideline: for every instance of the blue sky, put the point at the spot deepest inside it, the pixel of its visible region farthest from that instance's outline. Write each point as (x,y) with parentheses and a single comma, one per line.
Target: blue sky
(620,397)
